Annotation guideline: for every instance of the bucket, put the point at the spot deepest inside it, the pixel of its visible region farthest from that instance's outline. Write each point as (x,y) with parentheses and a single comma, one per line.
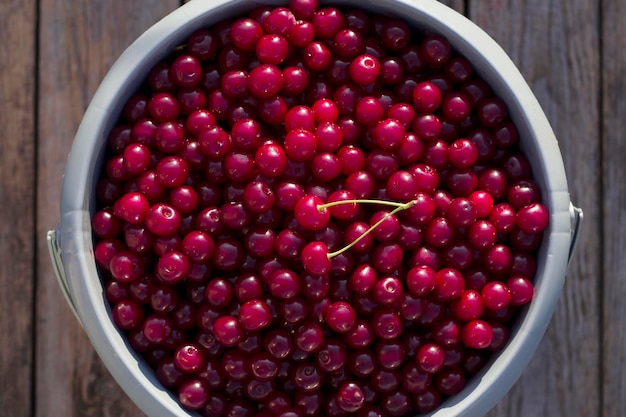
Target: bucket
(71,244)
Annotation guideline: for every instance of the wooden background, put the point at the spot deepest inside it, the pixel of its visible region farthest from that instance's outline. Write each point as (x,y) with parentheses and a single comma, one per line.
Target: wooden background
(53,54)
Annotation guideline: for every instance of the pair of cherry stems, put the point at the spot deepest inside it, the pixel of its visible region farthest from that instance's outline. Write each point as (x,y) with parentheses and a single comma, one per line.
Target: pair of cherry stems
(398,207)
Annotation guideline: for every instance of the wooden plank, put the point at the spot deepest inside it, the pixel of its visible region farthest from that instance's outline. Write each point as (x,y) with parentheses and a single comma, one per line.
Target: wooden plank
(556,46)
(79,41)
(614,209)
(458,5)
(17,167)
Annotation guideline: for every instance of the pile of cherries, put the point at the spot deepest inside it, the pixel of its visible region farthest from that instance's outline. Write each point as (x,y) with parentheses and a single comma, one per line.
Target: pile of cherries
(311,210)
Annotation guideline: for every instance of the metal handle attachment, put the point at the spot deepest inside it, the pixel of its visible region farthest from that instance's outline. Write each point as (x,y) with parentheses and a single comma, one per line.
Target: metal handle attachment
(576,216)
(57,265)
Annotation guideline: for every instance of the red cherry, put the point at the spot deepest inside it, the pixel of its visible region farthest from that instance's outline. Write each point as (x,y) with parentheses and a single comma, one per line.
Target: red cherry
(309,215)
(315,258)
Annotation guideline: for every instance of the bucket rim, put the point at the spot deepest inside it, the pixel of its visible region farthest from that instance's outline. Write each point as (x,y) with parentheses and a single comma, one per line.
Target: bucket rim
(491,62)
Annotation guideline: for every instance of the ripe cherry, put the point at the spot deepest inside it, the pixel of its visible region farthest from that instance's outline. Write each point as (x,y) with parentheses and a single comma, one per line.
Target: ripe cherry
(309,215)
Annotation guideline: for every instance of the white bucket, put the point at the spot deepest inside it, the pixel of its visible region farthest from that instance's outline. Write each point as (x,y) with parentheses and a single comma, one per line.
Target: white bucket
(71,243)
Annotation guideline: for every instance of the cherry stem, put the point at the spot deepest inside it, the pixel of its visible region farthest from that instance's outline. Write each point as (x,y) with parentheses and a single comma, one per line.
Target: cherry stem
(321,207)
(399,207)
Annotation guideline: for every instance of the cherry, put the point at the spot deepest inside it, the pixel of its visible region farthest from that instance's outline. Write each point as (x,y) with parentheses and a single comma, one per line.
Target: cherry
(331,356)
(137,158)
(326,167)
(284,283)
(427,127)
(272,110)
(228,254)
(309,214)
(128,314)
(503,217)
(498,259)
(132,207)
(271,160)
(300,117)
(364,69)
(265,80)
(450,381)
(295,81)
(468,306)
(492,111)
(342,211)
(279,20)
(138,238)
(157,328)
(458,69)
(302,34)
(228,330)
(435,50)
(172,267)
(450,284)
(369,111)
(430,358)
(193,394)
(309,337)
(387,323)
(483,202)
(255,315)
(315,258)
(461,212)
(163,220)
(388,291)
(272,49)
(477,334)
(532,218)
(327,22)
(260,242)
(496,295)
(439,232)
(188,358)
(163,107)
(316,56)
(300,145)
(426,97)
(389,134)
(245,32)
(350,397)
(456,106)
(171,171)
(421,280)
(340,316)
(348,43)
(384,381)
(352,159)
(186,71)
(258,197)
(396,35)
(521,290)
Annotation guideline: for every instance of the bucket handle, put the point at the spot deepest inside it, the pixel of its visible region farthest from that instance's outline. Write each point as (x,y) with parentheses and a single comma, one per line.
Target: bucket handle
(576,219)
(57,265)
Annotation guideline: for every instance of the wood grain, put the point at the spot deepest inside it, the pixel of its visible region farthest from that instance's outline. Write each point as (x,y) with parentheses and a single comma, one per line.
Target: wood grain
(17,191)
(458,5)
(556,46)
(614,209)
(79,41)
